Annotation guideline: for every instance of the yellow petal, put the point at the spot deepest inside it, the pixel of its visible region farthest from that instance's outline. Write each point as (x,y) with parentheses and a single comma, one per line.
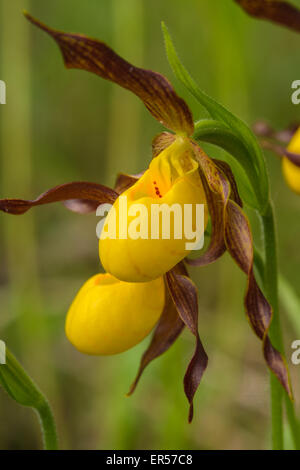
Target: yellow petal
(109,316)
(172,178)
(290,170)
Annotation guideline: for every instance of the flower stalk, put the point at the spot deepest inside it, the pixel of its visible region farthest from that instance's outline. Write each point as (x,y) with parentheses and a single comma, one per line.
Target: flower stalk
(21,388)
(271,286)
(277,393)
(48,426)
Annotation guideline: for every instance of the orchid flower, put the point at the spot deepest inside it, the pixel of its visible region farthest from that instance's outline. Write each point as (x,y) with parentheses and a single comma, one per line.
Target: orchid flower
(146,282)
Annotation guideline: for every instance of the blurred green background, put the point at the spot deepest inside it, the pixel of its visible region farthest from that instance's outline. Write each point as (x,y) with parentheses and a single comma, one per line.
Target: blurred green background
(60,126)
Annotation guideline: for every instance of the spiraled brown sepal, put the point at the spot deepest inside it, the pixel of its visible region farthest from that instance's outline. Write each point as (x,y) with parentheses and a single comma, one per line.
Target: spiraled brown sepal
(226,170)
(280,12)
(239,244)
(81,197)
(185,297)
(165,334)
(217,191)
(217,245)
(156,92)
(167,331)
(230,227)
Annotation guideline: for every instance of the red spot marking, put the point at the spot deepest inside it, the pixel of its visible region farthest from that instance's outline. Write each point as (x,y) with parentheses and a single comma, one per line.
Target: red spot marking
(157,192)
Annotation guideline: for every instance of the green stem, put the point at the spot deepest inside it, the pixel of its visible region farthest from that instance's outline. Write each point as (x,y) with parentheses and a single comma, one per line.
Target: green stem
(271,286)
(293,422)
(48,426)
(23,390)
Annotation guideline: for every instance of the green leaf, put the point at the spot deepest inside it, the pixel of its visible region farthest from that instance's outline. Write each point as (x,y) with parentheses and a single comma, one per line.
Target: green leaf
(23,390)
(218,112)
(217,133)
(18,384)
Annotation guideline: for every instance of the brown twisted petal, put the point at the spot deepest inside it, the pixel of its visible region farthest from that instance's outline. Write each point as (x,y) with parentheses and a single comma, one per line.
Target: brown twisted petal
(184,295)
(225,168)
(167,331)
(81,206)
(217,191)
(161,142)
(280,12)
(215,177)
(239,244)
(156,92)
(79,197)
(236,230)
(217,246)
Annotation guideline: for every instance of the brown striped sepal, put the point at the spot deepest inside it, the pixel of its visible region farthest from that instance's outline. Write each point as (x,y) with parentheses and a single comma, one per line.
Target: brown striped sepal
(280,12)
(156,92)
(81,197)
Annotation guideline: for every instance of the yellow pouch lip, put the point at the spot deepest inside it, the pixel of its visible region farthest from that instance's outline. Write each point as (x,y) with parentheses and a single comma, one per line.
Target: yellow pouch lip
(170,157)
(109,316)
(179,171)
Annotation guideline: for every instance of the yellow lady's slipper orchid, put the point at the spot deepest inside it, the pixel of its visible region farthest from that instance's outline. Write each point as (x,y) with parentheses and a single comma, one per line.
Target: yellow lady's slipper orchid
(171,182)
(113,312)
(290,170)
(109,316)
